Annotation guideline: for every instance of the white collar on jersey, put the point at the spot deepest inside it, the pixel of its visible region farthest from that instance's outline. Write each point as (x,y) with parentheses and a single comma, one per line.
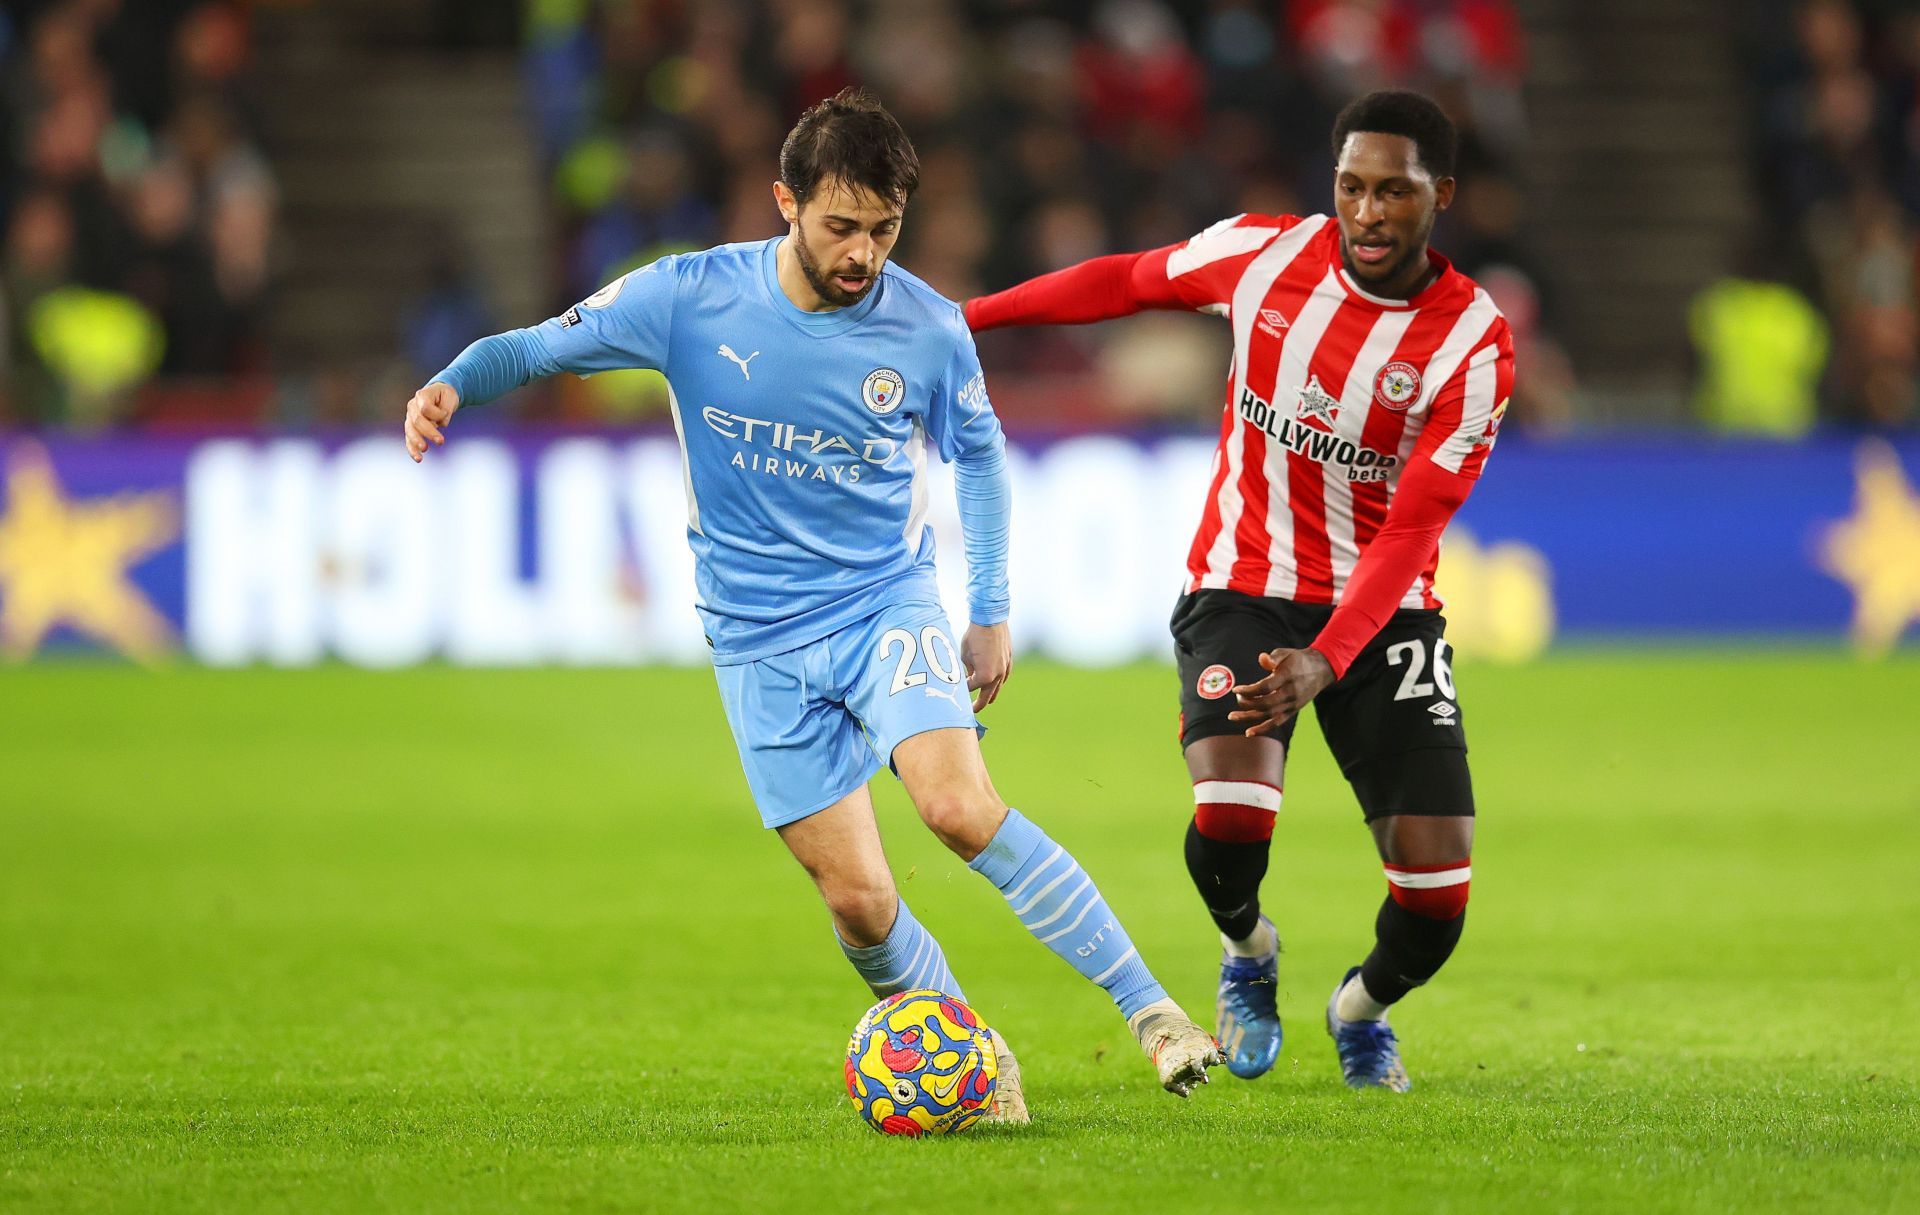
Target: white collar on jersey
(1370,297)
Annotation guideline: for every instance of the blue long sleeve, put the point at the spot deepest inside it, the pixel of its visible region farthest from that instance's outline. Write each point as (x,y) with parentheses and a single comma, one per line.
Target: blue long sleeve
(495,366)
(985,495)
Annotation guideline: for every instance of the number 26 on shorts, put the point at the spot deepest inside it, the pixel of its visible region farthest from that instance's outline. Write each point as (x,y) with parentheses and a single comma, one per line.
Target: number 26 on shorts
(1413,655)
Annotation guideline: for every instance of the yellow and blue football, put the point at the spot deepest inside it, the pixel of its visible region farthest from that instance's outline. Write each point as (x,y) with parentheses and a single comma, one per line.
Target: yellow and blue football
(921,1063)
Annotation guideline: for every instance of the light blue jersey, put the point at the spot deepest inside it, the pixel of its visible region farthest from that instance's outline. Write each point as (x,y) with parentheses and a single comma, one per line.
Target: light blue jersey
(806,436)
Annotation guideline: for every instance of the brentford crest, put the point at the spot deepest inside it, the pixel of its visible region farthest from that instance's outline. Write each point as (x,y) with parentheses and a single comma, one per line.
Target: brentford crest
(1397,385)
(1214,682)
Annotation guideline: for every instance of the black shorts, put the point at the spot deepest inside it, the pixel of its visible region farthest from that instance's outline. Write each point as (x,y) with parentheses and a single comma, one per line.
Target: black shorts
(1393,721)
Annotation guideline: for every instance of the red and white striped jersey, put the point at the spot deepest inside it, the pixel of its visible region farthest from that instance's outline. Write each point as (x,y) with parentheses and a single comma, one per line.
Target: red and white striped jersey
(1333,392)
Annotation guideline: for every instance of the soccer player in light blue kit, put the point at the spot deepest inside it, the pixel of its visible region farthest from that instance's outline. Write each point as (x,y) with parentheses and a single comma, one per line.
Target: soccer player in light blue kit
(810,380)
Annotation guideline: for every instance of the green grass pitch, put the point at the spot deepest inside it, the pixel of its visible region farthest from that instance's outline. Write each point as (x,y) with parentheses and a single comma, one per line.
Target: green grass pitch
(465,941)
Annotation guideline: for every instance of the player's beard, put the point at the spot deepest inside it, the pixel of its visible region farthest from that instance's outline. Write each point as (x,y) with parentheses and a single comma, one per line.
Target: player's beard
(1416,252)
(822,283)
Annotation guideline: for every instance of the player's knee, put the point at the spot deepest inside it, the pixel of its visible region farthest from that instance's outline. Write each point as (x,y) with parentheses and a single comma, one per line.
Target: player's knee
(863,908)
(1434,892)
(962,818)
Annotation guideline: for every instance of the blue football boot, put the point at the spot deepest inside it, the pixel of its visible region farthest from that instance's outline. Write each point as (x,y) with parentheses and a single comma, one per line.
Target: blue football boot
(1248,1023)
(1369,1053)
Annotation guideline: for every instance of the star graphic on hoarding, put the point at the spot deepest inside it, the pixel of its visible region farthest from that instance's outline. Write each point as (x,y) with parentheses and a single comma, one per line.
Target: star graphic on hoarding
(1876,551)
(67,562)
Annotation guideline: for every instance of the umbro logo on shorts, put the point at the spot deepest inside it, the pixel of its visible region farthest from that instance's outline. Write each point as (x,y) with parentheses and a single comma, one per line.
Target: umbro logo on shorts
(1443,713)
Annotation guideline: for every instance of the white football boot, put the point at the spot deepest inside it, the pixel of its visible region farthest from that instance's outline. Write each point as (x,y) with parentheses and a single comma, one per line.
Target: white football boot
(1009,1098)
(1181,1050)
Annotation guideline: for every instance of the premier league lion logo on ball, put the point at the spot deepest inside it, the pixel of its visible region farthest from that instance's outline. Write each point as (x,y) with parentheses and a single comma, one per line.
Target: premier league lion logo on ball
(920,1063)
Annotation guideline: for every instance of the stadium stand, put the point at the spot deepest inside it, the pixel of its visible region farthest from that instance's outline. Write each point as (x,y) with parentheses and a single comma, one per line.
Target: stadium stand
(439,169)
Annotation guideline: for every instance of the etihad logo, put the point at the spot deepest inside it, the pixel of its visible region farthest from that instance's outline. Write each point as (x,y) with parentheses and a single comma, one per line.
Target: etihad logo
(1362,464)
(785,437)
(1317,406)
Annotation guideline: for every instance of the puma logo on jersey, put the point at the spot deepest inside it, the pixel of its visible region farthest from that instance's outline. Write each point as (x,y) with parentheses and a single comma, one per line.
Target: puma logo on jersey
(727,352)
(1271,322)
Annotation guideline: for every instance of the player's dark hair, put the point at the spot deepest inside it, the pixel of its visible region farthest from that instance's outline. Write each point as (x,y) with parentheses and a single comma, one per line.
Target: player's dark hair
(850,136)
(1412,115)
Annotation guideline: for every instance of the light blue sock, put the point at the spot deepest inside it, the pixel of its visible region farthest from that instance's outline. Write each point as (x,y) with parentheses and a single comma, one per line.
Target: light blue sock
(907,960)
(1057,902)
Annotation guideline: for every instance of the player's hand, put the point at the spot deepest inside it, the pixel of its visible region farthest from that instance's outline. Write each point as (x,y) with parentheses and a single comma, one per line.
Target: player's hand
(987,651)
(430,409)
(1295,677)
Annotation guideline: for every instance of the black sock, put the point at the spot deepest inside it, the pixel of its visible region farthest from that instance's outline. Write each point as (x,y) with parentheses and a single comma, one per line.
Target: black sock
(1408,950)
(1228,878)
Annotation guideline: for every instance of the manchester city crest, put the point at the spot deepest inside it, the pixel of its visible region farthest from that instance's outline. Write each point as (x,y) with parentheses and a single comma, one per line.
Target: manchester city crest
(884,390)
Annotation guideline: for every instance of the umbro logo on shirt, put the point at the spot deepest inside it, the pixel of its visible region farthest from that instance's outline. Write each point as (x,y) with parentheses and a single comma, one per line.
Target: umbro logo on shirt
(1271,322)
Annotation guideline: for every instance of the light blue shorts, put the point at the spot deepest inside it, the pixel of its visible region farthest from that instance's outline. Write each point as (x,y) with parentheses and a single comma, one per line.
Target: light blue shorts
(816,723)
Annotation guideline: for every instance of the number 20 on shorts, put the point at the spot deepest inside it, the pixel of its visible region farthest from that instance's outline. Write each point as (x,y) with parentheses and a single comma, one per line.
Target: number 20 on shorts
(933,641)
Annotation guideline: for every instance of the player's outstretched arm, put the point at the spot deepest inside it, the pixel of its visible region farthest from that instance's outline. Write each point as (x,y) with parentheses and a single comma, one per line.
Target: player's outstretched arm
(430,409)
(1200,274)
(624,324)
(1101,289)
(490,367)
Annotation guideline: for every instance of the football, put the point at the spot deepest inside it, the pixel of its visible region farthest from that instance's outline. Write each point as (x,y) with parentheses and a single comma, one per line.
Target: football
(921,1063)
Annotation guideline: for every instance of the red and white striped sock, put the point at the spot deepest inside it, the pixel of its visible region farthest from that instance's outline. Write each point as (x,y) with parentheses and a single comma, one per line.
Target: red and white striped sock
(1228,815)
(1235,811)
(1413,946)
(1438,892)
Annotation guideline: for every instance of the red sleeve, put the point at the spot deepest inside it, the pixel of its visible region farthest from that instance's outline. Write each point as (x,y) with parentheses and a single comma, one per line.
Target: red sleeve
(1199,273)
(1467,411)
(1096,290)
(1461,427)
(1422,505)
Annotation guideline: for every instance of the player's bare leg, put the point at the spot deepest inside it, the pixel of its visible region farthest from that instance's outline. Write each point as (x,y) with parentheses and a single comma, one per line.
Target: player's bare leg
(1427,860)
(1236,785)
(840,850)
(1053,897)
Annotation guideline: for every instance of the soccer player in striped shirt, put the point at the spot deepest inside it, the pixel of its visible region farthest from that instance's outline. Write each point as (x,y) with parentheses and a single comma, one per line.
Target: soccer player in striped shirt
(810,381)
(1368,384)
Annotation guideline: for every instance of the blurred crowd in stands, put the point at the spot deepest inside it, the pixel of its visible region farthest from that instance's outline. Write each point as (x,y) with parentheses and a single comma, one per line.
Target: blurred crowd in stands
(138,214)
(1049,133)
(1818,320)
